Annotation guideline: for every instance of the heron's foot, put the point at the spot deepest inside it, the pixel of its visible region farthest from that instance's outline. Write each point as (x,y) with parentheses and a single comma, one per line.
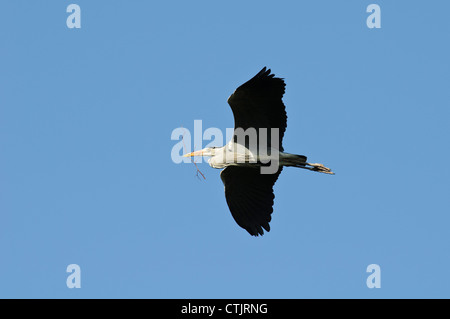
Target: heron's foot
(319,168)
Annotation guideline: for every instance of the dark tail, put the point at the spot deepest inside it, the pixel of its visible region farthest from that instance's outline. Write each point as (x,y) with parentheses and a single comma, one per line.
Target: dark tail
(295,160)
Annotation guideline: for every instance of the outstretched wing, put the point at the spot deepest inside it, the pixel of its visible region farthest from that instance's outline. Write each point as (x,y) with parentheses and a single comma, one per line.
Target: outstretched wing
(258,103)
(249,196)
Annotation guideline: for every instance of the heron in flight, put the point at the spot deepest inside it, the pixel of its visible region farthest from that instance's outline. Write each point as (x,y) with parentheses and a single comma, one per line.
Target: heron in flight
(257,105)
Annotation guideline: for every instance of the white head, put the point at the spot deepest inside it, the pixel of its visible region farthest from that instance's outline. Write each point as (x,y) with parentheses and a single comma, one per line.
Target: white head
(217,155)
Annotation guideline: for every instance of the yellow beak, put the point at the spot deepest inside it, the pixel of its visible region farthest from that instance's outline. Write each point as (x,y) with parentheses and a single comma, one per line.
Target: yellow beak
(196,153)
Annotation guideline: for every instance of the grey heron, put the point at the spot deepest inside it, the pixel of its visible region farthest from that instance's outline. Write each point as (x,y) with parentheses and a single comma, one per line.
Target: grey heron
(256,104)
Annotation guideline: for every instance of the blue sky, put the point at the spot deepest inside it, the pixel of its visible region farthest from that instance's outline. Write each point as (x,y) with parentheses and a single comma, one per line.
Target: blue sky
(86,175)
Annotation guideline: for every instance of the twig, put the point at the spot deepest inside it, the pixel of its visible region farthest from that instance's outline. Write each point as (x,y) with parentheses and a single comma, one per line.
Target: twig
(198,170)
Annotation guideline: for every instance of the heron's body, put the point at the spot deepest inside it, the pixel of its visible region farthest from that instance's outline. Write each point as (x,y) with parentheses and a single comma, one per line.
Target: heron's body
(234,154)
(257,105)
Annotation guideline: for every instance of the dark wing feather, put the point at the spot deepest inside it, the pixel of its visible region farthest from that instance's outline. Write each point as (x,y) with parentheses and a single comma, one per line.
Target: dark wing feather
(258,103)
(250,197)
